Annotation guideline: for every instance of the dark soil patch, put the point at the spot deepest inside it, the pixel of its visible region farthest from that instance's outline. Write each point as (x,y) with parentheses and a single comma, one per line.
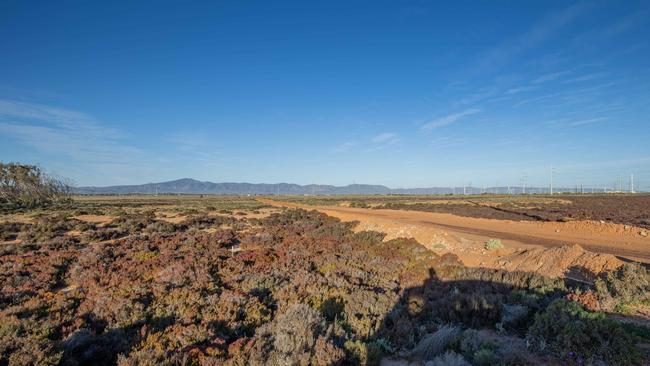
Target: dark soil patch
(628,209)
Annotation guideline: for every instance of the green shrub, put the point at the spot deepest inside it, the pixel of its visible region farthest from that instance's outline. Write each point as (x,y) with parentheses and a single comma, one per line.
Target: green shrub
(434,344)
(493,244)
(10,230)
(566,329)
(450,358)
(332,308)
(368,237)
(629,283)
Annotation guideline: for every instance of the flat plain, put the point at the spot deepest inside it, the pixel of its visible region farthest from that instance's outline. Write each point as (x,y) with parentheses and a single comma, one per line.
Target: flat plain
(169,279)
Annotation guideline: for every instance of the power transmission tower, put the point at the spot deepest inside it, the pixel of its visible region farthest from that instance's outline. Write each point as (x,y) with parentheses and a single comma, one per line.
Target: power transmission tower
(551,180)
(631,183)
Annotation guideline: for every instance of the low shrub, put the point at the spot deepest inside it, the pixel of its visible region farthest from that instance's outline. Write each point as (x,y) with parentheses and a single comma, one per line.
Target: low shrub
(299,336)
(493,244)
(368,237)
(163,227)
(434,344)
(104,234)
(629,283)
(50,226)
(203,221)
(566,329)
(471,309)
(450,358)
(10,230)
(134,222)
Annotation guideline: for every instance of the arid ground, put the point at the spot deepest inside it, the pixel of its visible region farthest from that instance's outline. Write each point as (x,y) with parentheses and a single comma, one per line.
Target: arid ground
(600,224)
(184,280)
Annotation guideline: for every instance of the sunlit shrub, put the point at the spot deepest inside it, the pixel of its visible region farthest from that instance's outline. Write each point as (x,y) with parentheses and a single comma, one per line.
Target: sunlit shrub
(565,328)
(493,244)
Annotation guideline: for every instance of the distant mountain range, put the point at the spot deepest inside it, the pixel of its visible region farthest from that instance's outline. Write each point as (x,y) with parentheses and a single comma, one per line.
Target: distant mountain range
(192,186)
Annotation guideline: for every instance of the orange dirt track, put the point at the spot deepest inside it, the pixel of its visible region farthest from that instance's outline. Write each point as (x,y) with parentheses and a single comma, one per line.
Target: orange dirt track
(465,236)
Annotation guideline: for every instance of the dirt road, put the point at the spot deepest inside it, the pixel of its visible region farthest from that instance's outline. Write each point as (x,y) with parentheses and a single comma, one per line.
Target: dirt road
(465,235)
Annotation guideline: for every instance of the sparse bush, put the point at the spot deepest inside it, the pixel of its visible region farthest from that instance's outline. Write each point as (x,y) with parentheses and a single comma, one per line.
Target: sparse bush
(434,344)
(205,221)
(361,353)
(298,337)
(51,226)
(103,234)
(629,283)
(471,309)
(450,358)
(133,223)
(163,227)
(368,237)
(10,230)
(477,348)
(25,342)
(565,327)
(493,244)
(332,308)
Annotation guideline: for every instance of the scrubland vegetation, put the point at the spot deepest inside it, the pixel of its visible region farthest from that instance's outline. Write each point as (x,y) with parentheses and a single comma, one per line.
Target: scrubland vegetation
(190,280)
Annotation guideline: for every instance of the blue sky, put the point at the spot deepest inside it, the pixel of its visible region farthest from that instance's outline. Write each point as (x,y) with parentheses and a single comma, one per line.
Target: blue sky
(405,94)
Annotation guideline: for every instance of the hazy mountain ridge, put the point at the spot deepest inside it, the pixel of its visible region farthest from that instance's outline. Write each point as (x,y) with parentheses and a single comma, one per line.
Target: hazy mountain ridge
(192,186)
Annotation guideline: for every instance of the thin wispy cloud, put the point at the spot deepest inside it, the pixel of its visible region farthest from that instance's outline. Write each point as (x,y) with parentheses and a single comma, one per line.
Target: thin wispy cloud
(447,142)
(384,137)
(382,141)
(520,89)
(583,78)
(62,131)
(44,114)
(196,146)
(535,36)
(448,119)
(550,76)
(344,146)
(588,121)
(617,28)
(475,97)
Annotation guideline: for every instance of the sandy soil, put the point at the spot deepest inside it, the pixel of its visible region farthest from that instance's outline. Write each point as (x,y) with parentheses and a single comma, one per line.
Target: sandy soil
(95,219)
(465,236)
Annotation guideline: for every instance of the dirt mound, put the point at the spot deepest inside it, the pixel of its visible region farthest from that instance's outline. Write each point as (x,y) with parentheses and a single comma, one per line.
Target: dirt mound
(569,261)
